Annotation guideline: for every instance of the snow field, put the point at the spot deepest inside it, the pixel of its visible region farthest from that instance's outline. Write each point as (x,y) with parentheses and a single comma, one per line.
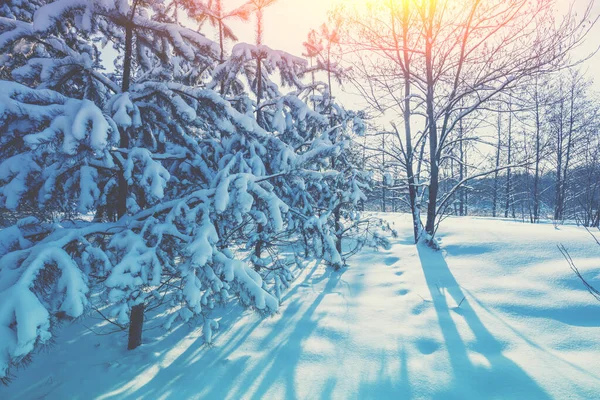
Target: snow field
(389,326)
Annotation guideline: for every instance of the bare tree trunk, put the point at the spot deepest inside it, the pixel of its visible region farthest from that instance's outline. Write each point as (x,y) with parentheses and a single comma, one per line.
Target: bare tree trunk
(538,158)
(559,155)
(432,125)
(461,170)
(393,193)
(569,145)
(508,194)
(450,182)
(434,169)
(412,188)
(383,182)
(364,166)
(496,173)
(465,190)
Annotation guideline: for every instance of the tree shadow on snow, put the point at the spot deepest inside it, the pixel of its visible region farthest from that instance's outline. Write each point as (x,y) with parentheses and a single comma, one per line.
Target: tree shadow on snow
(388,386)
(216,373)
(502,378)
(530,340)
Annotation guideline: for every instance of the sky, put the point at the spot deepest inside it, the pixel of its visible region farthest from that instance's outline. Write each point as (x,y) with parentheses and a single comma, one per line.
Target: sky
(287,23)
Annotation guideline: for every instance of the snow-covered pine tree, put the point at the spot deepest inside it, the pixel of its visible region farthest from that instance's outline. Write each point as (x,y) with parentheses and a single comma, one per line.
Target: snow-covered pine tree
(146,182)
(344,189)
(39,278)
(64,34)
(284,113)
(318,134)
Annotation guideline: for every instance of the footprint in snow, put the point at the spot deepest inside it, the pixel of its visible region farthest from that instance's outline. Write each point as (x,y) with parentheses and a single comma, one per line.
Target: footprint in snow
(427,346)
(391,260)
(399,273)
(403,292)
(418,309)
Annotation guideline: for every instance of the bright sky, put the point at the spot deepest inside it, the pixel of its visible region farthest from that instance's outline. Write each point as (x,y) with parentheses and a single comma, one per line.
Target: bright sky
(287,23)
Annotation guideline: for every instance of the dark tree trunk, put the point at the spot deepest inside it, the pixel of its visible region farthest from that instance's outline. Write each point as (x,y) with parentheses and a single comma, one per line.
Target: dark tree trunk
(305,239)
(509,160)
(536,178)
(383,182)
(465,190)
(412,187)
(495,200)
(434,179)
(259,91)
(332,121)
(461,171)
(364,167)
(432,126)
(258,246)
(123,134)
(221,53)
(393,196)
(565,174)
(338,228)
(136,317)
(136,324)
(127,58)
(259,94)
(559,159)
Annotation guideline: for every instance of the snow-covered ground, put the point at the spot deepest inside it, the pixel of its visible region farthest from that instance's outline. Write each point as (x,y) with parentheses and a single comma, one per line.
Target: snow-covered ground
(496,314)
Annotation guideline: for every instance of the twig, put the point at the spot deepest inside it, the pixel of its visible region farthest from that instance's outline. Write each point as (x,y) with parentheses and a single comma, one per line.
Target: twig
(593,291)
(121,327)
(592,235)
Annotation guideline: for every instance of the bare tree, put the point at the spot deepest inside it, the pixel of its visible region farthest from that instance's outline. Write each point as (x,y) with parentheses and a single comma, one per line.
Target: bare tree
(449,60)
(509,204)
(567,120)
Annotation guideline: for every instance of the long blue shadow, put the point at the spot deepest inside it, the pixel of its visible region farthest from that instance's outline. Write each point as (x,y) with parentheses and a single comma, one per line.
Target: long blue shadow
(504,378)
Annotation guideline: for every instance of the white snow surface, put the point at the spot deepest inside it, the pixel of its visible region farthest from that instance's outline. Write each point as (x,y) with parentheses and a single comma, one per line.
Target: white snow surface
(388,326)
